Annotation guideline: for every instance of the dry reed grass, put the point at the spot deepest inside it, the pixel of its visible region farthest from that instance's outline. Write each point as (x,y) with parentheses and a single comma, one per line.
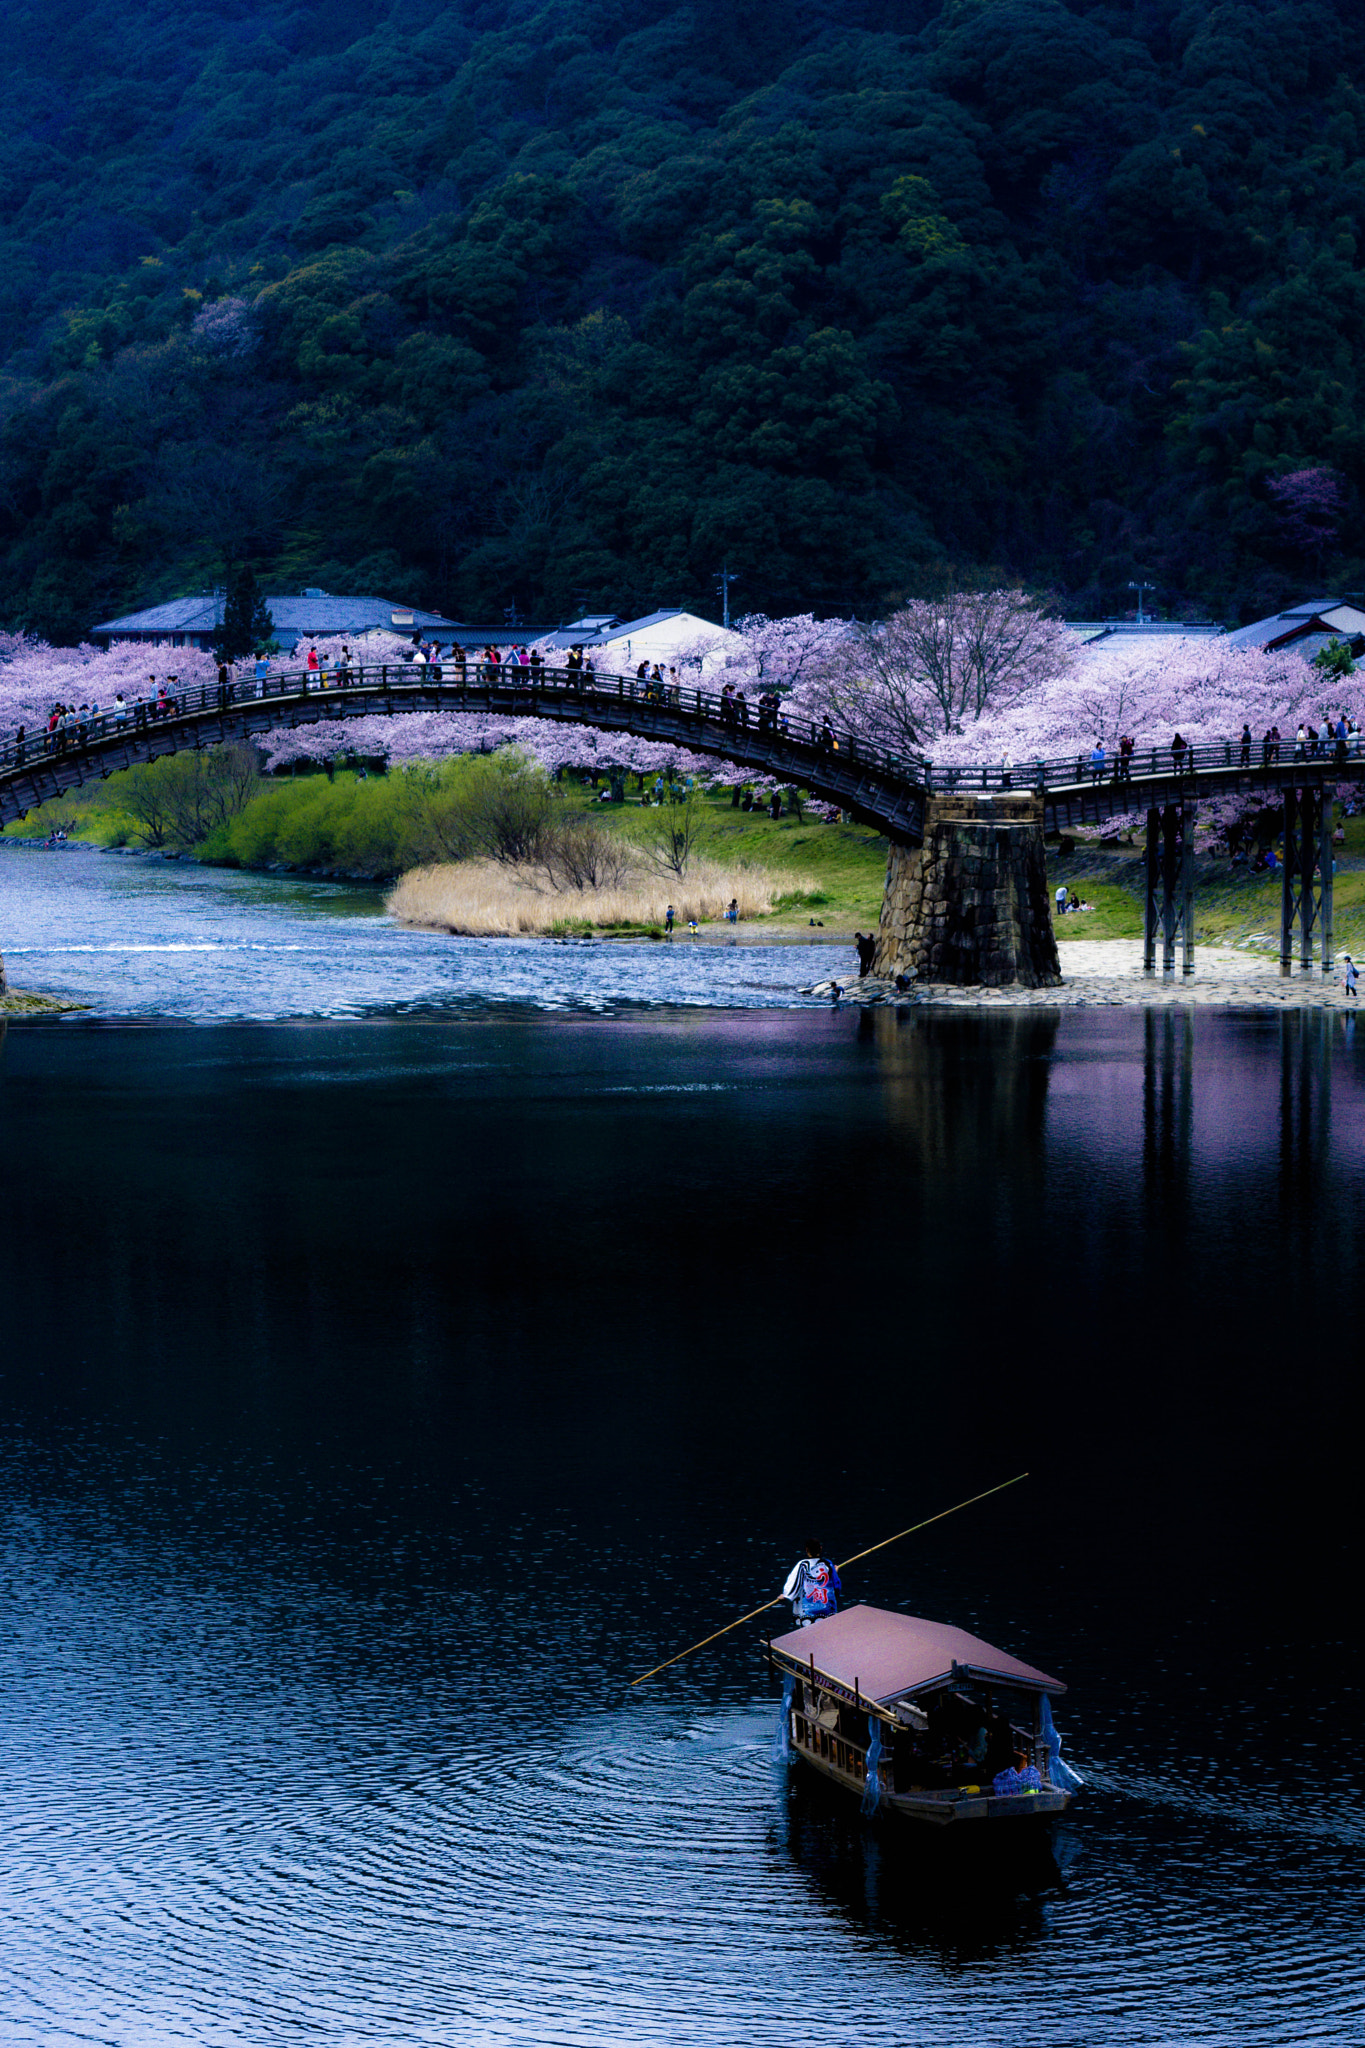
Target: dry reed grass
(478,899)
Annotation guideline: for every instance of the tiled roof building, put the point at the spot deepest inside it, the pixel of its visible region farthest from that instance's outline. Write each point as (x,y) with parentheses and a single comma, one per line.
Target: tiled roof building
(1306,627)
(193,621)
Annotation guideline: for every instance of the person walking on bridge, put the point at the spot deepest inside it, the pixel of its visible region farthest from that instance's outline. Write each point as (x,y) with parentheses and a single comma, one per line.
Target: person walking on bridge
(1097,762)
(1179,749)
(813,1586)
(1246,746)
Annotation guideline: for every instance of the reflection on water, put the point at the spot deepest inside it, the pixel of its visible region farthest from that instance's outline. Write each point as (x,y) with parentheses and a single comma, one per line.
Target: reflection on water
(381,1397)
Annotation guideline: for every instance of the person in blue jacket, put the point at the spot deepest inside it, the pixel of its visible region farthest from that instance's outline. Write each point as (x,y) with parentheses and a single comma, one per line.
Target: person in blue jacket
(813,1586)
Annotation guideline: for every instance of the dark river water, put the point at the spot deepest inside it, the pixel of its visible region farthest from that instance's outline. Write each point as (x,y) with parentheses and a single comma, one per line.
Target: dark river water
(382,1394)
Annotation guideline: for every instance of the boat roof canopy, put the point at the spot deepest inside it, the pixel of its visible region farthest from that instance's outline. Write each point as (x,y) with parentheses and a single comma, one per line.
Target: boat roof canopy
(887,1656)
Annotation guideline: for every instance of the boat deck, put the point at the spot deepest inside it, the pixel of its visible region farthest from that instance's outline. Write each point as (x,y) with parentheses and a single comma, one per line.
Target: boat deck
(846,1764)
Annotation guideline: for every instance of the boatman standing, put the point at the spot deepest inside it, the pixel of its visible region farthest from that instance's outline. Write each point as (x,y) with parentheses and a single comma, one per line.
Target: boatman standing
(812,1585)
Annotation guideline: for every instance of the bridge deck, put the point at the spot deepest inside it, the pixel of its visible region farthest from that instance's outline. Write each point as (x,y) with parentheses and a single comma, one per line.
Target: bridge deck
(875,787)
(873,784)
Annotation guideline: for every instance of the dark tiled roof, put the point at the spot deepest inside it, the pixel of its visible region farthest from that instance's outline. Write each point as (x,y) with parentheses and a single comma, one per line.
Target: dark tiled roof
(306,617)
(1281,625)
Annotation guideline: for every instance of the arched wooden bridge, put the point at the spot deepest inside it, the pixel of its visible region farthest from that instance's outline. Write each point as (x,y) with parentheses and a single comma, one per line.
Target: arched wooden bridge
(875,786)
(885,790)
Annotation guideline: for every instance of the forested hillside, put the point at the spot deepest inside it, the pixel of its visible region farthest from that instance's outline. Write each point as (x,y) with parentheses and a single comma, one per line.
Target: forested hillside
(567,303)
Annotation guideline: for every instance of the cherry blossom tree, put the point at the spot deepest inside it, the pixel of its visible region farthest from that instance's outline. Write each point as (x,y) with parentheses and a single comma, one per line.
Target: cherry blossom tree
(1151,688)
(1148,688)
(34,676)
(780,654)
(938,666)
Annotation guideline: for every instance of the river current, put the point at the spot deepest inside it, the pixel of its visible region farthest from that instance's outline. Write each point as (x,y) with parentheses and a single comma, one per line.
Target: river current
(146,937)
(389,1380)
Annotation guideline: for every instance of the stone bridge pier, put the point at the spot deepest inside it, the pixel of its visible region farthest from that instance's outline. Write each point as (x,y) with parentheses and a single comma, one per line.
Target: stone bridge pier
(969,907)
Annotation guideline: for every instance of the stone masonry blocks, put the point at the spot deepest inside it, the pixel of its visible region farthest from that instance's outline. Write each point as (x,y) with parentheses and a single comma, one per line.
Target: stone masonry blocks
(970,906)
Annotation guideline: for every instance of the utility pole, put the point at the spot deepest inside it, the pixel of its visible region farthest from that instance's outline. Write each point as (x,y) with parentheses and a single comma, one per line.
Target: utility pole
(727,577)
(1139,588)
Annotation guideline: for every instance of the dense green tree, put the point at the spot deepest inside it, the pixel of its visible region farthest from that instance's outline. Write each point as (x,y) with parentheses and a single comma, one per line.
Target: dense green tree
(247,625)
(562,304)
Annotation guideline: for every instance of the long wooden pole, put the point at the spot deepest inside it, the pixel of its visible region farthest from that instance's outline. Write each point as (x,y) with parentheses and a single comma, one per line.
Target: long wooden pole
(776,1601)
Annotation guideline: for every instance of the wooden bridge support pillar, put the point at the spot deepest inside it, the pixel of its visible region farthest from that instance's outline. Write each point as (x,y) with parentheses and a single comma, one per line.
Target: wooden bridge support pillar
(1306,884)
(970,907)
(1169,902)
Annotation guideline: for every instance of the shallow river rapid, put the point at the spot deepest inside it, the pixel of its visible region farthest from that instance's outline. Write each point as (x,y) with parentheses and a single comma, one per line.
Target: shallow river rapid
(146,937)
(382,1392)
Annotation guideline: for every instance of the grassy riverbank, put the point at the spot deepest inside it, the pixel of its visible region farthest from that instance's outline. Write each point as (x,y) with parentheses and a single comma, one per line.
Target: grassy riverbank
(21,1002)
(1231,907)
(806,871)
(370,828)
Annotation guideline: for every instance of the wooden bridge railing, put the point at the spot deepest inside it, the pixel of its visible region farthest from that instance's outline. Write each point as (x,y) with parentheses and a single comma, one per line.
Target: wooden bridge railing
(449,685)
(804,749)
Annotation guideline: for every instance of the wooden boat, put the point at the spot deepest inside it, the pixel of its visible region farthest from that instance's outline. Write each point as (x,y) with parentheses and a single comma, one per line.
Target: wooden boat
(921,1719)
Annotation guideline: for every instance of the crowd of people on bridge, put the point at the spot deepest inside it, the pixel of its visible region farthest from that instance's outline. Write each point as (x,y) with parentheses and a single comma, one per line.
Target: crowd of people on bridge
(1339,740)
(73,726)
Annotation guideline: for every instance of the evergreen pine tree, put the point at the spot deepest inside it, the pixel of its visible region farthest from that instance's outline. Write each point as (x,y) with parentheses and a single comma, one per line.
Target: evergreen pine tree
(247,624)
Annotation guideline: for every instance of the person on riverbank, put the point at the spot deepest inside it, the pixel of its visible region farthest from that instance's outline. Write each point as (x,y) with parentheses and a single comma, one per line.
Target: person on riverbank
(1352,977)
(669,915)
(732,911)
(867,947)
(813,1585)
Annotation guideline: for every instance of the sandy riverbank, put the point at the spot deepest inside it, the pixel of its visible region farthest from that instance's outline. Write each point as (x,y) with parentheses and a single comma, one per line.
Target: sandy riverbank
(1100,972)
